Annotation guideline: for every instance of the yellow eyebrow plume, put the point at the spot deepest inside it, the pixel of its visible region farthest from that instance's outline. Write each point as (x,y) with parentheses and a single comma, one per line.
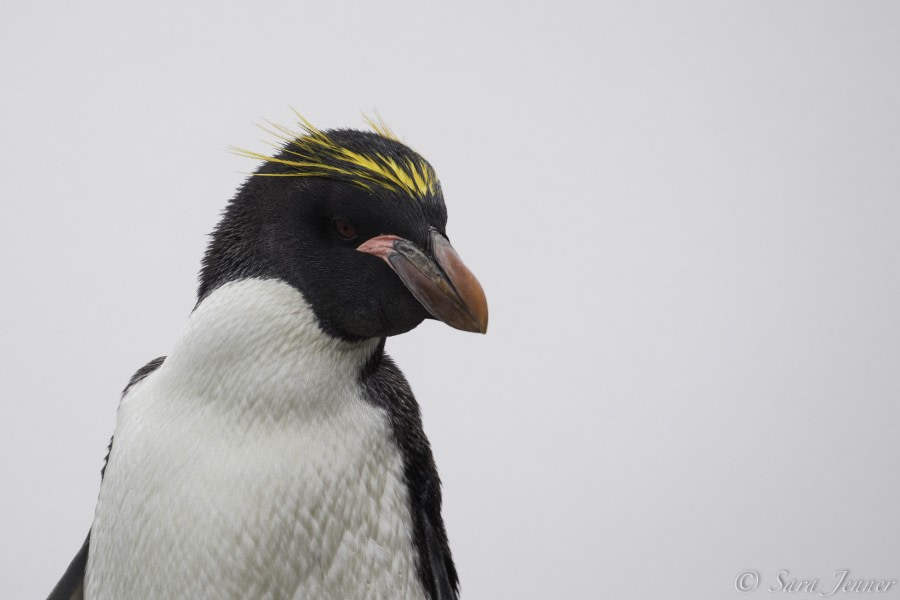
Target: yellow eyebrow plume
(312,152)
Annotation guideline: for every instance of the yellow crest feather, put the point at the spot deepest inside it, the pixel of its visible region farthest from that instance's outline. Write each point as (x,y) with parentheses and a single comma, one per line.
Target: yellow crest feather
(312,152)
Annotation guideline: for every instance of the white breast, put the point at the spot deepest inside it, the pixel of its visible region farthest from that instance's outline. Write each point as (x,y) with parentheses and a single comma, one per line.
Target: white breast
(248,466)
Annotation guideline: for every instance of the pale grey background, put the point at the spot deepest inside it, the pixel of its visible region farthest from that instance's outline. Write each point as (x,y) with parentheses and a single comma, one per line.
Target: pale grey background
(685,216)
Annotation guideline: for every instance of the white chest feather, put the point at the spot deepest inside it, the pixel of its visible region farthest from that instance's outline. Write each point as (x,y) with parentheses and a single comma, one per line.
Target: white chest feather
(248,466)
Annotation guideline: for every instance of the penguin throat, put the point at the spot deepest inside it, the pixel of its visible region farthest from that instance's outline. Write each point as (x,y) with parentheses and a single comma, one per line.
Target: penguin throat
(255,343)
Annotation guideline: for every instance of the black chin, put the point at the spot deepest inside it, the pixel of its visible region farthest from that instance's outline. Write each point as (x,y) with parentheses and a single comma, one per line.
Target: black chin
(377,317)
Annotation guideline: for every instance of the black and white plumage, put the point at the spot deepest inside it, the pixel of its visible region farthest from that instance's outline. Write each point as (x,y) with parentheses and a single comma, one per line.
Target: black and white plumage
(277,451)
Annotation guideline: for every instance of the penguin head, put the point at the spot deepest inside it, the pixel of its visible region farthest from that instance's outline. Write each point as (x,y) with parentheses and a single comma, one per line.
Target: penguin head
(356,222)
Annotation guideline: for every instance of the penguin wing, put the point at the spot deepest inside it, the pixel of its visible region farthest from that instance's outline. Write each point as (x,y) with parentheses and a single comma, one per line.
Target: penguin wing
(71,585)
(385,386)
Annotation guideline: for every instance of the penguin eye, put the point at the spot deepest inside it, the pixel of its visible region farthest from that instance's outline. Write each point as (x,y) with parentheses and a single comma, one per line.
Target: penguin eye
(344,229)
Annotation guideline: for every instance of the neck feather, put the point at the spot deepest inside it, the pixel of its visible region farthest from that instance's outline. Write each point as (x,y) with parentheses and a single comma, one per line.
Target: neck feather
(255,341)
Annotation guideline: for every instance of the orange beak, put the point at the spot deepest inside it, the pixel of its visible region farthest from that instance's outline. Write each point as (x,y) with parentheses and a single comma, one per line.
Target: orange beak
(443,284)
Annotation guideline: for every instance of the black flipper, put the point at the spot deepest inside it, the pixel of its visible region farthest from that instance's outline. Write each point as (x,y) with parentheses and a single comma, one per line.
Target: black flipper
(386,388)
(438,561)
(71,584)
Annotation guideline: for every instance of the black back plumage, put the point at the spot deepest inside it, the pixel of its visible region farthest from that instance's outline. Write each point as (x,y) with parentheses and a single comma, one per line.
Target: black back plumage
(385,387)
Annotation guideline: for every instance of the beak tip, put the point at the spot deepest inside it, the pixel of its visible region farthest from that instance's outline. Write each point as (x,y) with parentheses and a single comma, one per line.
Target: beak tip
(476,324)
(471,328)
(482,327)
(479,308)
